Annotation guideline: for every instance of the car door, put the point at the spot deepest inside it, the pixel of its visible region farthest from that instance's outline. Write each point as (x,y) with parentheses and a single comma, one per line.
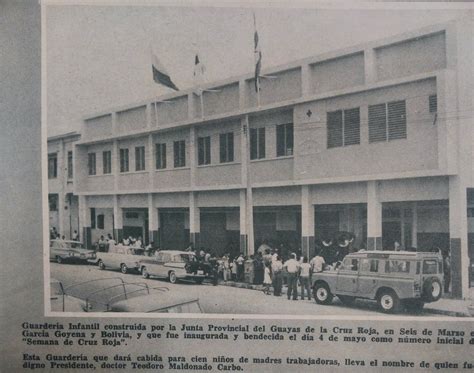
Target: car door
(347,276)
(368,275)
(156,267)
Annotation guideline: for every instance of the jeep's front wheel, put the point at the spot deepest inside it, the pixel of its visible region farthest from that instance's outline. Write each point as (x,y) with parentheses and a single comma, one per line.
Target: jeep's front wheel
(322,294)
(388,301)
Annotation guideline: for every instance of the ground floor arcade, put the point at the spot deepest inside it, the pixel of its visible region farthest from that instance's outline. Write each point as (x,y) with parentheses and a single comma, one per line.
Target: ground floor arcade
(423,214)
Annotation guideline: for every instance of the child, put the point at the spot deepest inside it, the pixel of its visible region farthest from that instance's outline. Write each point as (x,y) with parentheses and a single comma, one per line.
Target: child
(267,280)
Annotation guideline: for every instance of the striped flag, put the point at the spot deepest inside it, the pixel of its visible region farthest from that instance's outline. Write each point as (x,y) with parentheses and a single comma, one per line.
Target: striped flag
(257,56)
(160,74)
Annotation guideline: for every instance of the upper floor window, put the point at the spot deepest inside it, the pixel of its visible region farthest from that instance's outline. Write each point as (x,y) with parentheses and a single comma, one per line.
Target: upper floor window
(52,166)
(257,143)
(160,156)
(53,202)
(70,169)
(204,150)
(107,162)
(139,158)
(226,147)
(387,121)
(343,128)
(101,221)
(91,163)
(284,138)
(124,166)
(179,149)
(93,221)
(433,103)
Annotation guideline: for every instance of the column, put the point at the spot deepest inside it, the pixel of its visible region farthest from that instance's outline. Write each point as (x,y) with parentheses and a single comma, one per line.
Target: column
(191,111)
(84,222)
(148,115)
(370,66)
(243,222)
(153,221)
(118,220)
(192,155)
(374,217)
(116,164)
(150,161)
(194,220)
(242,94)
(247,183)
(62,177)
(458,238)
(414,225)
(307,223)
(306,86)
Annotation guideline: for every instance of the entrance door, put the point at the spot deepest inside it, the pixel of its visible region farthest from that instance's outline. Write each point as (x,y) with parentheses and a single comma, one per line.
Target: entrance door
(391,232)
(172,231)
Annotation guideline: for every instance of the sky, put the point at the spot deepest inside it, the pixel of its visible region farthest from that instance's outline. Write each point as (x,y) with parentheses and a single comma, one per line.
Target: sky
(99,57)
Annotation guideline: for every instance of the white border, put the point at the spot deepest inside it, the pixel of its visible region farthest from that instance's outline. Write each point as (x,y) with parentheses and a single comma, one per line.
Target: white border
(300,4)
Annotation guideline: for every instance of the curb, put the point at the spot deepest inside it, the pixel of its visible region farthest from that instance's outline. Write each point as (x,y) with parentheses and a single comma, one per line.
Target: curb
(243,285)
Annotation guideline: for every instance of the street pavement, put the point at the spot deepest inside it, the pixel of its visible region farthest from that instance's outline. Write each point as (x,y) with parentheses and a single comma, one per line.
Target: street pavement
(221,299)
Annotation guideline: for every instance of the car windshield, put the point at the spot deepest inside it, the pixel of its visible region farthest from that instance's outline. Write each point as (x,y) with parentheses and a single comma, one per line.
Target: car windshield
(430,267)
(183,258)
(72,245)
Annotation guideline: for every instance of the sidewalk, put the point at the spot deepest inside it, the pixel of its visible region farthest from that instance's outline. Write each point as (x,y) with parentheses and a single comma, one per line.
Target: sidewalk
(444,306)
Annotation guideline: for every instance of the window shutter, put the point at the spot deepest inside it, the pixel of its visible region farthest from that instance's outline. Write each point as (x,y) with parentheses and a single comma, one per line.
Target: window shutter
(261,142)
(433,103)
(230,147)
(397,123)
(351,127)
(377,123)
(334,129)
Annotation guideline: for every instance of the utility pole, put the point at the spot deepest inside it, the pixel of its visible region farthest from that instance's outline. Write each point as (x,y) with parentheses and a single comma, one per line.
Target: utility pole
(249,197)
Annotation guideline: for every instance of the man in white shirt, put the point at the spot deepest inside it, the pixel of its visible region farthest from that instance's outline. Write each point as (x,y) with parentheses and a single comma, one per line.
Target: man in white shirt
(305,273)
(317,263)
(292,267)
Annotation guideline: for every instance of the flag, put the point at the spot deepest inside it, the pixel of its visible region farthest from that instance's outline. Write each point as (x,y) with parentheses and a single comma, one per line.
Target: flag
(160,75)
(257,56)
(199,70)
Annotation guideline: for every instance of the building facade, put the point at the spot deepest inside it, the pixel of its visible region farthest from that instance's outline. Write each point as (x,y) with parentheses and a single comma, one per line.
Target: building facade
(63,204)
(376,139)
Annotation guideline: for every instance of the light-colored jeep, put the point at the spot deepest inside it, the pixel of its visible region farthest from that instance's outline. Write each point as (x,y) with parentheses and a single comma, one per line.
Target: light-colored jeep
(392,278)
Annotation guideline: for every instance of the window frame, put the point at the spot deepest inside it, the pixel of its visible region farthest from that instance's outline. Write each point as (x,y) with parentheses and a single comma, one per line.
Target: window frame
(124,160)
(140,158)
(285,135)
(106,162)
(345,115)
(160,156)
(179,153)
(52,168)
(226,147)
(100,221)
(257,141)
(92,164)
(70,165)
(204,150)
(389,122)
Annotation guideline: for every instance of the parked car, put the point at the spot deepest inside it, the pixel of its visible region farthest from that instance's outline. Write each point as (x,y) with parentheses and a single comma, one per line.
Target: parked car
(120,257)
(69,251)
(174,265)
(61,302)
(116,295)
(392,278)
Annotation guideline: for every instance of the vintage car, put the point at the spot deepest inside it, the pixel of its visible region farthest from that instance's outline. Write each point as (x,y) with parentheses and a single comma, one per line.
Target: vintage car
(120,257)
(174,265)
(116,295)
(61,302)
(69,251)
(392,278)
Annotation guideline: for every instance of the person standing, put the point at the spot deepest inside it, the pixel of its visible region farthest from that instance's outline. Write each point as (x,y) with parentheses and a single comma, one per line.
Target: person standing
(267,280)
(446,272)
(305,272)
(240,267)
(292,267)
(277,267)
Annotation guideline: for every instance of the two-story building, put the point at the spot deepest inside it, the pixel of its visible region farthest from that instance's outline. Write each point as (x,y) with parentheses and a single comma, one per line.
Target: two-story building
(63,204)
(376,139)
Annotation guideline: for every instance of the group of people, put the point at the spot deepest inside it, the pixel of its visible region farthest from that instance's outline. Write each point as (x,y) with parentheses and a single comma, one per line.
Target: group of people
(55,235)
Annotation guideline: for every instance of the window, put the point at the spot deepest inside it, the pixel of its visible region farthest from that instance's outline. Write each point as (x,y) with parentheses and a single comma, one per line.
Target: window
(53,202)
(139,158)
(93,225)
(394,266)
(70,169)
(430,267)
(107,162)
(160,156)
(91,163)
(433,103)
(343,128)
(100,221)
(52,166)
(369,265)
(387,121)
(179,149)
(257,143)
(226,145)
(350,264)
(204,150)
(124,160)
(284,139)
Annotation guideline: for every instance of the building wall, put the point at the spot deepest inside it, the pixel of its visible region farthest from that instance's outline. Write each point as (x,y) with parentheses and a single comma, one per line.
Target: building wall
(131,119)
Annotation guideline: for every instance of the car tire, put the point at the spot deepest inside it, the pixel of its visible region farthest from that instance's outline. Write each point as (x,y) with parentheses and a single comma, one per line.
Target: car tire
(414,305)
(101,265)
(145,273)
(432,289)
(123,268)
(59,259)
(322,294)
(347,300)
(388,301)
(172,277)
